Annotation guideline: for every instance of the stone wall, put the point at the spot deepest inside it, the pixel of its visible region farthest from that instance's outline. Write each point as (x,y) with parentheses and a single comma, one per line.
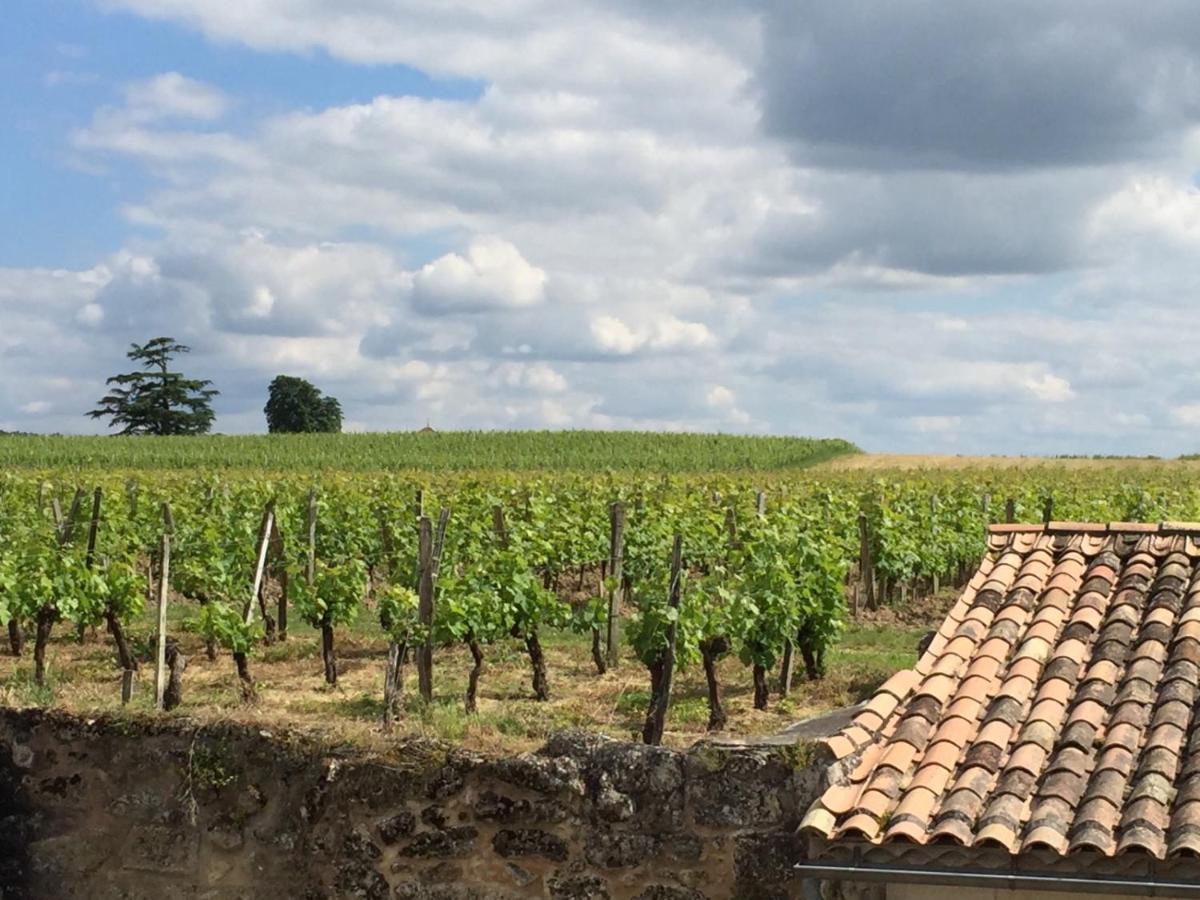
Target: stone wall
(167,808)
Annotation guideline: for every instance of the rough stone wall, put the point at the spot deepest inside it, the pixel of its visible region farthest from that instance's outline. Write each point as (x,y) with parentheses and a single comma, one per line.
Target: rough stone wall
(132,809)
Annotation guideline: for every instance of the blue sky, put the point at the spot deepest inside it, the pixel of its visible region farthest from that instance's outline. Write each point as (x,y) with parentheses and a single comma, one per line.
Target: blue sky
(61,59)
(921,231)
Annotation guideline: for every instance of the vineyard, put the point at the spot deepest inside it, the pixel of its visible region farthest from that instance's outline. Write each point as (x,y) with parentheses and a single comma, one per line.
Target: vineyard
(662,604)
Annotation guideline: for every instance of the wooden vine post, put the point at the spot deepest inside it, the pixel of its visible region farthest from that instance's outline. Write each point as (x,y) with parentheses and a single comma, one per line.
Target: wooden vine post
(933,530)
(264,539)
(865,565)
(93,529)
(1010,510)
(787,667)
(67,524)
(279,569)
(310,559)
(90,558)
(760,503)
(499,525)
(265,553)
(616,574)
(1048,511)
(429,561)
(425,607)
(660,700)
(391,684)
(164,579)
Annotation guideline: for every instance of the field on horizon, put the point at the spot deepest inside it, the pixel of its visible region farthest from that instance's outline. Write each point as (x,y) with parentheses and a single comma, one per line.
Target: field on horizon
(522,451)
(883,462)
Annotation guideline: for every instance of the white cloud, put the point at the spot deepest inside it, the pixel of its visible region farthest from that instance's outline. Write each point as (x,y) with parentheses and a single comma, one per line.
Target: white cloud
(493,274)
(720,397)
(612,335)
(1049,388)
(171,95)
(537,377)
(615,336)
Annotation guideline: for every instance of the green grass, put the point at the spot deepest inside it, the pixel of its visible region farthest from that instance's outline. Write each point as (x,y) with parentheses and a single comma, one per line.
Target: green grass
(557,451)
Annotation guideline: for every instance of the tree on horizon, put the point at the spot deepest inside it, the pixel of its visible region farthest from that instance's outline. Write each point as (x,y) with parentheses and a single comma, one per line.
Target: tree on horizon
(295,406)
(156,400)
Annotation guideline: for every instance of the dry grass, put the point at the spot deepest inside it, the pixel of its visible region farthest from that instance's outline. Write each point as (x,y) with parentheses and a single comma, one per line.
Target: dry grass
(880,461)
(84,678)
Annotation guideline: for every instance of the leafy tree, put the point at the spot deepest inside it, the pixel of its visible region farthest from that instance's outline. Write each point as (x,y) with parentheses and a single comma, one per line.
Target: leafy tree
(157,400)
(296,406)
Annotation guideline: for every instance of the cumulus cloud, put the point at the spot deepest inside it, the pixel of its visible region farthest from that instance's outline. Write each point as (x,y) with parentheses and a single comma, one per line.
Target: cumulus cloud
(492,274)
(612,335)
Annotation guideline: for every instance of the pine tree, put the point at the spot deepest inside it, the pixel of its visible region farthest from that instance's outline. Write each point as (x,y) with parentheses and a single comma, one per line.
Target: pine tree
(157,400)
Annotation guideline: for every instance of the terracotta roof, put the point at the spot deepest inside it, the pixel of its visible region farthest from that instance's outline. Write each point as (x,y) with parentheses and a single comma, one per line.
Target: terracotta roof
(1055,709)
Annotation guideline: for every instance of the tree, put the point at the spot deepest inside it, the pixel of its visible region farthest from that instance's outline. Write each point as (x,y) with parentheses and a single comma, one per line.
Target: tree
(296,406)
(157,400)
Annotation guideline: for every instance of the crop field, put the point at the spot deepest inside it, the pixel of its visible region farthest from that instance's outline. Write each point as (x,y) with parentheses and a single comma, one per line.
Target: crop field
(546,451)
(492,607)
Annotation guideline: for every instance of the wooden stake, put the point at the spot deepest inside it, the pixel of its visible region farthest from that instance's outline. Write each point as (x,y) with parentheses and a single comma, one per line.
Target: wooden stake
(933,529)
(67,526)
(89,559)
(439,539)
(425,607)
(264,537)
(866,568)
(164,579)
(391,685)
(656,724)
(279,569)
(616,553)
(310,564)
(499,525)
(1048,511)
(760,503)
(93,530)
(1010,511)
(787,668)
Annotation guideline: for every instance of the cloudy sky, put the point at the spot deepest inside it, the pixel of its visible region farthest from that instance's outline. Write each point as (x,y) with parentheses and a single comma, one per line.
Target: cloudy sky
(923,226)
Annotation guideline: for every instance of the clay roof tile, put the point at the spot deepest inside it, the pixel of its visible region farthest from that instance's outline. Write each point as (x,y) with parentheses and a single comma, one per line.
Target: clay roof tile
(1053,711)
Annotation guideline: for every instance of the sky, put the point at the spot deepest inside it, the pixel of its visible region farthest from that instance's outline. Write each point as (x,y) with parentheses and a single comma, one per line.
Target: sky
(923,227)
